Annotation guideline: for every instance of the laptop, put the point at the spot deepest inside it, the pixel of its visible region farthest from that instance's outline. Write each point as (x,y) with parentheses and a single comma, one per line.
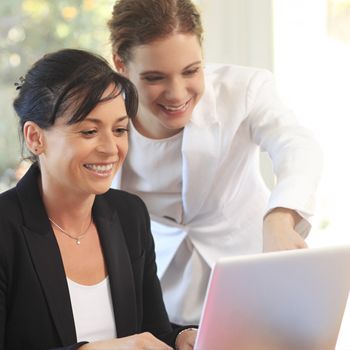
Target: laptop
(286,300)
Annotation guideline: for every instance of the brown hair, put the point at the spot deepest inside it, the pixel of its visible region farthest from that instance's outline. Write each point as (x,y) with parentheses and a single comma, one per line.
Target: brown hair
(139,22)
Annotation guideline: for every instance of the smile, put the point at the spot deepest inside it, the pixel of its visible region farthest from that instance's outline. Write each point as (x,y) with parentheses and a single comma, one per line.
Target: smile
(179,108)
(100,169)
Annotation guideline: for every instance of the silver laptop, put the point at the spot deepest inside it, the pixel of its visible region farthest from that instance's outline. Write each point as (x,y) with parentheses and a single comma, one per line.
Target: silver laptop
(289,300)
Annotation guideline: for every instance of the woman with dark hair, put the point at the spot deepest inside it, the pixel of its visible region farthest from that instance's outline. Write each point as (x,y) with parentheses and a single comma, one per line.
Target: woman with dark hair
(194,151)
(77,263)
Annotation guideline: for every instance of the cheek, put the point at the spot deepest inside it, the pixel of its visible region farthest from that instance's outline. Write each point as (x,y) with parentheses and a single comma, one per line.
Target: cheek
(199,85)
(149,94)
(123,146)
(54,148)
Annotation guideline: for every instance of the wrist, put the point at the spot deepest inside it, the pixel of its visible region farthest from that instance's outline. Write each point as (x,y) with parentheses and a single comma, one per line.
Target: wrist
(285,216)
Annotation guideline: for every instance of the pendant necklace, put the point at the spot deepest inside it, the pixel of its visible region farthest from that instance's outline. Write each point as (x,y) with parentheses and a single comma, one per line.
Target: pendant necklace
(77,238)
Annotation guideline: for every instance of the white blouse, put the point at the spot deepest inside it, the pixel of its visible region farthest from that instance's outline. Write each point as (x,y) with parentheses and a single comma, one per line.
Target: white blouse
(223,197)
(92,311)
(158,181)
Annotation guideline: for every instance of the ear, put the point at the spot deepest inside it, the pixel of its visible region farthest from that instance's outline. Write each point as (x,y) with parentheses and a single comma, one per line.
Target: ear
(34,137)
(119,64)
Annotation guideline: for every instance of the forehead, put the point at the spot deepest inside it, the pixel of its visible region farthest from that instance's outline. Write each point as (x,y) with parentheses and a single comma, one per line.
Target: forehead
(106,110)
(175,51)
(110,109)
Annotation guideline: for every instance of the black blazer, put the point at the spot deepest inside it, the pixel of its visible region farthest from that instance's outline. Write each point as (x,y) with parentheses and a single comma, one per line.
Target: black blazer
(35,308)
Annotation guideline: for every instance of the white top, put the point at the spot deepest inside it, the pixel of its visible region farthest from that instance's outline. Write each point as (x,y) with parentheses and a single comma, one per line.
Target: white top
(224,198)
(156,178)
(92,311)
(161,190)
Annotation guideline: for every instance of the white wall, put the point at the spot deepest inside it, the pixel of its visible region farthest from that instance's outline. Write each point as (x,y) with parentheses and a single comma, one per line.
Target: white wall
(240,32)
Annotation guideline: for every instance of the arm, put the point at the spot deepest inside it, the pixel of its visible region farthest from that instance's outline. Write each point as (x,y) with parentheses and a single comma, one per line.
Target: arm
(279,230)
(297,164)
(155,318)
(142,341)
(2,303)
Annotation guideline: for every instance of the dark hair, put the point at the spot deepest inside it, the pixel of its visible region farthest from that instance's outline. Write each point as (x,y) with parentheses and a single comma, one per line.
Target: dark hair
(71,80)
(139,22)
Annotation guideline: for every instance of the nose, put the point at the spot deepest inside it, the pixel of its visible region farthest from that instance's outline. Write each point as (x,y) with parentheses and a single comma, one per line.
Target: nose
(107,144)
(176,90)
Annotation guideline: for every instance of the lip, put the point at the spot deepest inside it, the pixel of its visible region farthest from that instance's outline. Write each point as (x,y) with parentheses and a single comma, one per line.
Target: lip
(175,110)
(101,169)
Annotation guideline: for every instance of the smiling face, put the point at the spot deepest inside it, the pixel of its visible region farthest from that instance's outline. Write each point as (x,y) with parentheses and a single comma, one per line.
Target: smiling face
(82,158)
(168,74)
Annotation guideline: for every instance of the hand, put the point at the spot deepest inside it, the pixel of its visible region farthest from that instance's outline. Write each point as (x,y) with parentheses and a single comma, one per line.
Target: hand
(186,339)
(142,341)
(279,232)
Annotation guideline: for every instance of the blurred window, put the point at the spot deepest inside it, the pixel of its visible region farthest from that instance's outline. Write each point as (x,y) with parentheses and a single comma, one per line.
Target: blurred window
(312,55)
(28,30)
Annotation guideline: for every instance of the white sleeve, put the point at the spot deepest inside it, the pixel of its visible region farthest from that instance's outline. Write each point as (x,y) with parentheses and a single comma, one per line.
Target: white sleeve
(296,156)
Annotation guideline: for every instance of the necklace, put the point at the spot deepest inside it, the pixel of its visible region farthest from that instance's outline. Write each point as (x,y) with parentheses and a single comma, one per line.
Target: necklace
(77,238)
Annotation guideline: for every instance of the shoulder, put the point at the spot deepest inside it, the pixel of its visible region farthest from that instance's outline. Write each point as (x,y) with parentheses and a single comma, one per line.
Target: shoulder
(234,76)
(132,215)
(228,95)
(129,207)
(7,197)
(9,206)
(10,223)
(123,200)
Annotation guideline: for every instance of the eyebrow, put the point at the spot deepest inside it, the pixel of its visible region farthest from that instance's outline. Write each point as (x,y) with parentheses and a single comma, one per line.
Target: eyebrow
(159,72)
(99,121)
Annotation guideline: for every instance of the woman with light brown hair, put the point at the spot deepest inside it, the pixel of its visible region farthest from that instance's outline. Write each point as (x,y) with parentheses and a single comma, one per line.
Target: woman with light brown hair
(194,151)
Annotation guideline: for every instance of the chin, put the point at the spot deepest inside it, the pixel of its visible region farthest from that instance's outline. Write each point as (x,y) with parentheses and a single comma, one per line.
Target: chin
(178,124)
(96,190)
(101,191)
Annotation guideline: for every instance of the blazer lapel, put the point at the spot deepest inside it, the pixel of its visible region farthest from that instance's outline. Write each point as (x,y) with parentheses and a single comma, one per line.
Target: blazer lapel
(118,265)
(48,263)
(46,256)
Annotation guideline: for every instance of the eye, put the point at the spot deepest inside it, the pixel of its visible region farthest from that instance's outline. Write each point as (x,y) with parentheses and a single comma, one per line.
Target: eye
(88,133)
(191,71)
(152,78)
(120,131)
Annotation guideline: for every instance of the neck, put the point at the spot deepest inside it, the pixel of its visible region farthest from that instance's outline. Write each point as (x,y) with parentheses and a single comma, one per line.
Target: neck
(68,209)
(153,130)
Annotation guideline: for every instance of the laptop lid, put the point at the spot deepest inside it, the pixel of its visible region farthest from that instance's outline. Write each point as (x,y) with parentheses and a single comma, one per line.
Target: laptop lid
(287,300)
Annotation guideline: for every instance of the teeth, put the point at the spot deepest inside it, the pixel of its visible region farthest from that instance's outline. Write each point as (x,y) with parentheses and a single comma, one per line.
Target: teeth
(173,108)
(99,168)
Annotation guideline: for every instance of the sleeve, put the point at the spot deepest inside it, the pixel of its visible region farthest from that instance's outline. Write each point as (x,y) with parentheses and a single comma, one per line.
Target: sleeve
(155,317)
(71,347)
(2,302)
(295,155)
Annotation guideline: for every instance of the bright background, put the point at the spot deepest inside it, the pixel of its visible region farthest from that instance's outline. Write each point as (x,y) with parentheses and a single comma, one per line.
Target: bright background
(306,43)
